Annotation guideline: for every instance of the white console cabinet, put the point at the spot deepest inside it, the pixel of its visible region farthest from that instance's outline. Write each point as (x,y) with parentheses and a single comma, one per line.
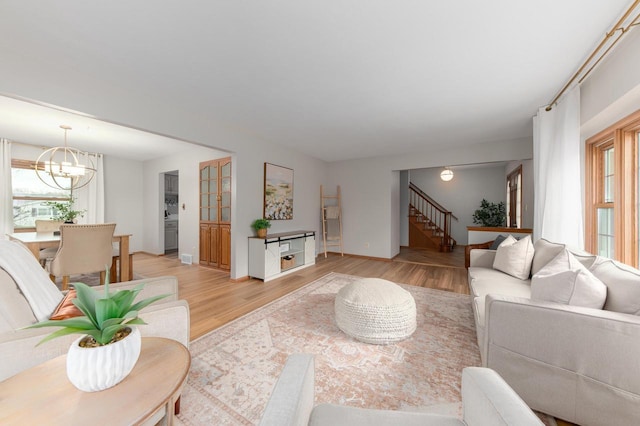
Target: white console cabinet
(279,254)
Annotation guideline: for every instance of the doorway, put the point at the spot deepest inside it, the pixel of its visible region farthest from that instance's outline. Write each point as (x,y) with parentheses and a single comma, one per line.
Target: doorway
(171,213)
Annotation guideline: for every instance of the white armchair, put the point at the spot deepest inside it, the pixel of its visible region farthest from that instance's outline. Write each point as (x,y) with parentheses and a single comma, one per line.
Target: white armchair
(487,401)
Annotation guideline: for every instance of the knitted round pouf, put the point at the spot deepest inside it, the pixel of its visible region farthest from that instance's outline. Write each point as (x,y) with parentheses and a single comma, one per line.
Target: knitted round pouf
(377,311)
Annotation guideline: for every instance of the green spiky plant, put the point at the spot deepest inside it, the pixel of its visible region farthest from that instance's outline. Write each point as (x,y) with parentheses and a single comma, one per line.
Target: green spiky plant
(104,317)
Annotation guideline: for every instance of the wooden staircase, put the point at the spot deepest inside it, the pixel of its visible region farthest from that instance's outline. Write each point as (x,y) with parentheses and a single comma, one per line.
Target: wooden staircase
(429,222)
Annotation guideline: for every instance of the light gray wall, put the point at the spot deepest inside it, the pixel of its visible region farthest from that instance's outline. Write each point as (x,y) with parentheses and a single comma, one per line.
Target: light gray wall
(124,201)
(462,195)
(612,91)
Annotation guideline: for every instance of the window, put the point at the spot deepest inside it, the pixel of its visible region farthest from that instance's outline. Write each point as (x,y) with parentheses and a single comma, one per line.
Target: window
(30,195)
(611,199)
(514,198)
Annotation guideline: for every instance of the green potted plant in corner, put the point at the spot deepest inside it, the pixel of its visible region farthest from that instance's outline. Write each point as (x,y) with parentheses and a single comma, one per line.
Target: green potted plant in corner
(261,225)
(490,215)
(64,210)
(110,345)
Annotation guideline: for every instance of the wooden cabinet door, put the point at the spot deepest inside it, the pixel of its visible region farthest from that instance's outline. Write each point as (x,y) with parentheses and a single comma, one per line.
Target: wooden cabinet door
(215,213)
(225,247)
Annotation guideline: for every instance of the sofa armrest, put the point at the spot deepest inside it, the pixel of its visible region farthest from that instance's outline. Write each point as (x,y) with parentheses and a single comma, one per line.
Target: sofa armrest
(557,356)
(488,400)
(469,247)
(152,287)
(292,398)
(19,350)
(482,258)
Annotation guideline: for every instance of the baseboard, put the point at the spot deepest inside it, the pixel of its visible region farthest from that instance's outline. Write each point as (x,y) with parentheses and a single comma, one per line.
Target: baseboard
(359,256)
(240,280)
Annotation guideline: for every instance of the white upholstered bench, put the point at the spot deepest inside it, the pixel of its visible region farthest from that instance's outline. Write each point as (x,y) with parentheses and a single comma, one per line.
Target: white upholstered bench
(374,310)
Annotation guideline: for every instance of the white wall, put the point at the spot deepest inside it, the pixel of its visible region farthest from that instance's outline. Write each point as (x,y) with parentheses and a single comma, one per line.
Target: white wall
(124,202)
(462,195)
(612,91)
(370,206)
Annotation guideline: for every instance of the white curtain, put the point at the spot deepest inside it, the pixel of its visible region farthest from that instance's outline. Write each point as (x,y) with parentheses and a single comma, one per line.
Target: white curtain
(6,190)
(91,197)
(556,167)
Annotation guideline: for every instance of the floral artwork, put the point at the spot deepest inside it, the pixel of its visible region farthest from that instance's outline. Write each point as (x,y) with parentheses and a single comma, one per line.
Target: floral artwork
(278,192)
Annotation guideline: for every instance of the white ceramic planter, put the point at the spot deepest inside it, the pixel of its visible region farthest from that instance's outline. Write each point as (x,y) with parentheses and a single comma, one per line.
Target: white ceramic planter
(96,369)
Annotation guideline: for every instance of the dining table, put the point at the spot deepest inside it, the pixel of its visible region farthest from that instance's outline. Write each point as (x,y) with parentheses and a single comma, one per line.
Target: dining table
(35,241)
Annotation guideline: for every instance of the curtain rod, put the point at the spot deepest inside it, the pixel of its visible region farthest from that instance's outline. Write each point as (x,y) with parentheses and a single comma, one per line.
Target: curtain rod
(617,27)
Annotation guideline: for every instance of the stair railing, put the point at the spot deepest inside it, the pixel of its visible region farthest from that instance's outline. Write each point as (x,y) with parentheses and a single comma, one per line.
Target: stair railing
(434,214)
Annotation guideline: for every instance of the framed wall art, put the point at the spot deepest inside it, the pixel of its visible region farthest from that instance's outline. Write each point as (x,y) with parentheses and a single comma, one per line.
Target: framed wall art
(278,192)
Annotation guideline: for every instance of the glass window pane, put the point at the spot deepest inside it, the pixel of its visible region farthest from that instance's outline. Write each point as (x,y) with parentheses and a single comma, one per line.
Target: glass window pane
(226,184)
(213,200)
(213,214)
(203,200)
(204,173)
(226,170)
(226,199)
(204,186)
(226,214)
(609,174)
(606,237)
(213,185)
(204,214)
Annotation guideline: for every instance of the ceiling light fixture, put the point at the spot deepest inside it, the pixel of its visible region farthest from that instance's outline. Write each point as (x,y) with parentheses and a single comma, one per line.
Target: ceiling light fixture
(446,175)
(60,168)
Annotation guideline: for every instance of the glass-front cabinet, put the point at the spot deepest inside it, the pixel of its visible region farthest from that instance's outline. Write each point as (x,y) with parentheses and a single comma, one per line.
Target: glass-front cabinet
(215,213)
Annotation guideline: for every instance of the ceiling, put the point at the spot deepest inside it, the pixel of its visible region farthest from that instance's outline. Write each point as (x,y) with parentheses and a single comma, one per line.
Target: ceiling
(335,80)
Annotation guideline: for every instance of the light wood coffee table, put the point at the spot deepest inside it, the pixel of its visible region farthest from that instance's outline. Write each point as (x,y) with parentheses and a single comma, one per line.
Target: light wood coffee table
(44,395)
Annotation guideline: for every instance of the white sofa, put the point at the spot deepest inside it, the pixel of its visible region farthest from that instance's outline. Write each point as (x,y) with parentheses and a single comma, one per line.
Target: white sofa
(578,364)
(486,399)
(169,317)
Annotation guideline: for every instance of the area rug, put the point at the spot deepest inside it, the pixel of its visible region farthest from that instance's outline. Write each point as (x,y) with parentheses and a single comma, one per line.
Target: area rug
(235,367)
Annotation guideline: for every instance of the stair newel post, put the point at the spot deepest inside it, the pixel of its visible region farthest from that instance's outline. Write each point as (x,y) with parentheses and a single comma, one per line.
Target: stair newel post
(445,237)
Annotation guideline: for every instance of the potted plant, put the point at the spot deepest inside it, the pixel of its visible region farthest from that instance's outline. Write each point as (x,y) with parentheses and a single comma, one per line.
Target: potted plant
(64,211)
(110,345)
(490,215)
(261,225)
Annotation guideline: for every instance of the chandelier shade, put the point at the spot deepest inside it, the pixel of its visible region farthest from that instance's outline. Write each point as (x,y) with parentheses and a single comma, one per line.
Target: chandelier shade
(60,167)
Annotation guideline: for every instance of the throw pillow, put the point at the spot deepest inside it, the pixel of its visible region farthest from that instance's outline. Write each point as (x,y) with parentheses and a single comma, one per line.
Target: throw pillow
(565,280)
(496,243)
(514,257)
(623,285)
(66,308)
(545,251)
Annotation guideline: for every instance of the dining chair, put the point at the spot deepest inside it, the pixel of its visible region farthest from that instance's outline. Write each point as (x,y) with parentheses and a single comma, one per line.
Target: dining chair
(47,226)
(83,249)
(115,260)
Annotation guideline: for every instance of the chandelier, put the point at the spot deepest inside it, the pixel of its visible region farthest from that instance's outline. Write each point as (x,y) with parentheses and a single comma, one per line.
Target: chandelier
(60,168)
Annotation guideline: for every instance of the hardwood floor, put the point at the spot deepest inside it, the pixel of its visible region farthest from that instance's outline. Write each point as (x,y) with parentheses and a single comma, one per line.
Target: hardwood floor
(215,300)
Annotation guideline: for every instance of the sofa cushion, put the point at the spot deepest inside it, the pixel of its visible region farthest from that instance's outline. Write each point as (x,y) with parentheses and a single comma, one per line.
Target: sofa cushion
(545,251)
(15,312)
(483,281)
(514,257)
(565,280)
(623,285)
